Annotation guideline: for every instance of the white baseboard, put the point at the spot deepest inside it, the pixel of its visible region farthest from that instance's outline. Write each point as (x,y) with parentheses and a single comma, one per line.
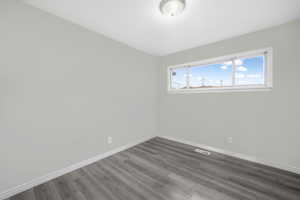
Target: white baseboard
(40,180)
(238,155)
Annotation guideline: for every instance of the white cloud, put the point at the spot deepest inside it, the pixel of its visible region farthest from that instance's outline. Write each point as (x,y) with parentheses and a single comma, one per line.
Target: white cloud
(254,76)
(239,75)
(242,69)
(224,67)
(238,62)
(228,63)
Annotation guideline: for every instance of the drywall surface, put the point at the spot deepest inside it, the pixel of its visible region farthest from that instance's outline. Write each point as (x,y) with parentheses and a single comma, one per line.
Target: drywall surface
(64,90)
(265,125)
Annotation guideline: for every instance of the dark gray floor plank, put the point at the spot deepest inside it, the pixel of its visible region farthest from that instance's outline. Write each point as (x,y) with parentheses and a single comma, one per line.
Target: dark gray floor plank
(46,191)
(27,195)
(232,175)
(160,169)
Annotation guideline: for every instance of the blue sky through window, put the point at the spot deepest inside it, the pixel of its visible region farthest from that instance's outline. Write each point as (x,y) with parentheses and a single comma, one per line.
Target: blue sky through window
(215,75)
(249,71)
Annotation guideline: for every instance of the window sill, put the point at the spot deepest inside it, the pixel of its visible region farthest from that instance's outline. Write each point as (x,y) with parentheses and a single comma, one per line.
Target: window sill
(220,90)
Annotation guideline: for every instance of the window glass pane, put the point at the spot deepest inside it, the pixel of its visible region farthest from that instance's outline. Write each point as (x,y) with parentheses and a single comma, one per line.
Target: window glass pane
(178,78)
(250,71)
(211,76)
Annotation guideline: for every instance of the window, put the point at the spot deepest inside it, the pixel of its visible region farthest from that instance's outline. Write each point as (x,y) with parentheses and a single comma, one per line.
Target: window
(245,71)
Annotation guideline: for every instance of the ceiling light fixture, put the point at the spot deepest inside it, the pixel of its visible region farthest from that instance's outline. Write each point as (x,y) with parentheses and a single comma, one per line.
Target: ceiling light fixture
(172,7)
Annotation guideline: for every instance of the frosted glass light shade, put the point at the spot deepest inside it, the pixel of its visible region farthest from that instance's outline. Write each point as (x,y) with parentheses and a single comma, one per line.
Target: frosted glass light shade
(172,7)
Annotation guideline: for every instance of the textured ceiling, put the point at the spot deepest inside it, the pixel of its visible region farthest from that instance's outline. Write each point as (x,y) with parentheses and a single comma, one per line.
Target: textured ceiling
(139,24)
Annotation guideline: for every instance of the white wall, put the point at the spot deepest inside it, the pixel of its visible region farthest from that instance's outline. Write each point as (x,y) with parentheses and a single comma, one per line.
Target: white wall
(263,124)
(63,90)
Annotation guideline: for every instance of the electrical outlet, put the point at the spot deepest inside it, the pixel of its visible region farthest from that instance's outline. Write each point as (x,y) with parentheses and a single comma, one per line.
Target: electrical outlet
(109,140)
(229,140)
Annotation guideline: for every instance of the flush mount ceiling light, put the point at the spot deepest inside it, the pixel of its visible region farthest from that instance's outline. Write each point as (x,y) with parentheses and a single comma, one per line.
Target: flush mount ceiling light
(172,7)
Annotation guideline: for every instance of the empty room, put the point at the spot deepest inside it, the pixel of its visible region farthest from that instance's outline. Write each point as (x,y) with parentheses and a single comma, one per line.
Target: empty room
(149,100)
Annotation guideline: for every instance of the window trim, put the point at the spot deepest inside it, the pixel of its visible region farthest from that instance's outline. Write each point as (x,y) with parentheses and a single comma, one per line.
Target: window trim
(268,73)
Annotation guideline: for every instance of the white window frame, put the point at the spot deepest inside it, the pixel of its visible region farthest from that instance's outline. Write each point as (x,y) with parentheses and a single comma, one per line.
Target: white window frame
(268,73)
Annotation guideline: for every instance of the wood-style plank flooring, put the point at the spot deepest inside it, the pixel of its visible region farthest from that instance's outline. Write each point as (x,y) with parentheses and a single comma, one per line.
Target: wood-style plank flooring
(160,169)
